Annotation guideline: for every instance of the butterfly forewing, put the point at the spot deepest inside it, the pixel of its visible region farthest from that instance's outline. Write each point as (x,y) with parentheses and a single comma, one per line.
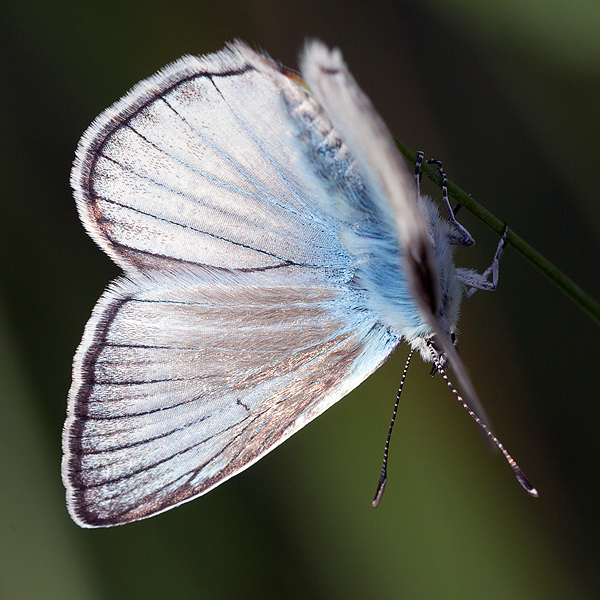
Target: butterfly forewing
(193,173)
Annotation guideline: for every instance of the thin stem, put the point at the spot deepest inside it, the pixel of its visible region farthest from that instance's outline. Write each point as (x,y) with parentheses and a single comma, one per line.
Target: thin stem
(562,281)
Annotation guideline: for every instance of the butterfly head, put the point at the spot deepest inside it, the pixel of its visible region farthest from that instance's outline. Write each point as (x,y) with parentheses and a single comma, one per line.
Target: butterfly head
(431,350)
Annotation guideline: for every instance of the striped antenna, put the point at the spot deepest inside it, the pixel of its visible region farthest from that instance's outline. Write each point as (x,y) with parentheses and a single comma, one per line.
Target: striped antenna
(383,478)
(511,461)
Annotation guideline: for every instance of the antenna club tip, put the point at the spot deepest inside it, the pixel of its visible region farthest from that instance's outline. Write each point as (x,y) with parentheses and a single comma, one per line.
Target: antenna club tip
(524,481)
(379,493)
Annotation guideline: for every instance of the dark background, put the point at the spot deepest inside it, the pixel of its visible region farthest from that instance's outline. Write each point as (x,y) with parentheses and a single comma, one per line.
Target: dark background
(507,95)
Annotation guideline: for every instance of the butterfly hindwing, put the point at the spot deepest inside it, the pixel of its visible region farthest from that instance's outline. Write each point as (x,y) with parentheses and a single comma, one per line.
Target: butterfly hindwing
(180,385)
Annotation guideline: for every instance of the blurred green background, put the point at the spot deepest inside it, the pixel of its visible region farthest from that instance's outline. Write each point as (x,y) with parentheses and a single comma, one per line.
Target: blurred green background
(507,94)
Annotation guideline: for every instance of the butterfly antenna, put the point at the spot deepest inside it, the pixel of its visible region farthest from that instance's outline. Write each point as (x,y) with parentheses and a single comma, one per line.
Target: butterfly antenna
(511,461)
(383,478)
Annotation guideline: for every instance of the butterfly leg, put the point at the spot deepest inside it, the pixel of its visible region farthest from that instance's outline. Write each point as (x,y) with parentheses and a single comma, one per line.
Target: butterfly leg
(464,238)
(418,173)
(475,281)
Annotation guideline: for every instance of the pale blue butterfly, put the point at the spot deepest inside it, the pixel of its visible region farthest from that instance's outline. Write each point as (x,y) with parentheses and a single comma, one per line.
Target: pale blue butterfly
(275,254)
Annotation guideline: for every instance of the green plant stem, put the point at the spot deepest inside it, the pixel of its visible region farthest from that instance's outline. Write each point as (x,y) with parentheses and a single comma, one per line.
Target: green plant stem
(562,281)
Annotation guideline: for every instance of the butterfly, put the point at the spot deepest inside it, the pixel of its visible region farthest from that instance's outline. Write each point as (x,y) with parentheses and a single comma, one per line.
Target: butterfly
(275,253)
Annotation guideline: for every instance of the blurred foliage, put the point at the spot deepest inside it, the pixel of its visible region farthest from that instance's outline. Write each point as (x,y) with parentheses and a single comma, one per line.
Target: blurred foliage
(506,94)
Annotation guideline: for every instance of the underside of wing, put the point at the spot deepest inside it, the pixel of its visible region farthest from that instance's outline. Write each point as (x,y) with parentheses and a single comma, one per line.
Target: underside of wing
(178,385)
(383,168)
(371,143)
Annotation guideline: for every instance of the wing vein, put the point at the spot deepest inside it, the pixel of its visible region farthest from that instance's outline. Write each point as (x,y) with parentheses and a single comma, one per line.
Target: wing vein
(228,158)
(180,452)
(195,170)
(266,155)
(190,228)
